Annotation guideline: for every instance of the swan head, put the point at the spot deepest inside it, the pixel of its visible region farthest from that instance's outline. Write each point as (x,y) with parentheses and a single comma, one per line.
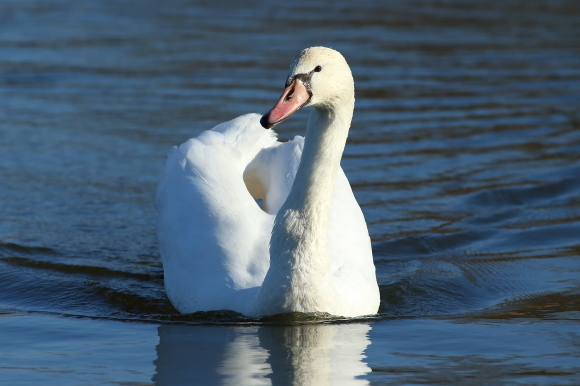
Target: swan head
(319,77)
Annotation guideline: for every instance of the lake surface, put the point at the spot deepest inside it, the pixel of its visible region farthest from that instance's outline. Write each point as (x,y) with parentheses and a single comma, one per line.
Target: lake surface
(464,154)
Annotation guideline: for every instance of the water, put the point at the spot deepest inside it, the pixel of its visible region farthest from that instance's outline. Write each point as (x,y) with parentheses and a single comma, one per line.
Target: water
(464,155)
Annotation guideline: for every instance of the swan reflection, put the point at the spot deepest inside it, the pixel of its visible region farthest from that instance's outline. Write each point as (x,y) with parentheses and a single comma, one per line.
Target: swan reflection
(313,354)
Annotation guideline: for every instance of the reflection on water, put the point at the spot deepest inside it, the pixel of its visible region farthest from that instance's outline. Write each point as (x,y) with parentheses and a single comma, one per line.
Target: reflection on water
(313,354)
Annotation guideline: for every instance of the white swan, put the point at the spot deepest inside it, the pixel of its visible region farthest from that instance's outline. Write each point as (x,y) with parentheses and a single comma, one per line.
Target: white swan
(307,248)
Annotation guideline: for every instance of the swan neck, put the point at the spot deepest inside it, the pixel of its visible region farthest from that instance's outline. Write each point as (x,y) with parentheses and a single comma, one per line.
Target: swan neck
(324,144)
(299,278)
(311,194)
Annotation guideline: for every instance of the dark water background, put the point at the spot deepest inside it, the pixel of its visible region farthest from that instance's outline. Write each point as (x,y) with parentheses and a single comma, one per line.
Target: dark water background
(464,154)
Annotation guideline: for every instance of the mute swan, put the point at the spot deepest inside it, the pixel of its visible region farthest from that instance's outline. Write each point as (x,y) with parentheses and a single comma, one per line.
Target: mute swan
(307,248)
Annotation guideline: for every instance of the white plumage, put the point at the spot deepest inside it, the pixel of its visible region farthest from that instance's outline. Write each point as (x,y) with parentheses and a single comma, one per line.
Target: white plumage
(218,245)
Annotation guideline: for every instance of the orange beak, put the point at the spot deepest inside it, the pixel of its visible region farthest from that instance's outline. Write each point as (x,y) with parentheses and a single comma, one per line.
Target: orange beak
(293,99)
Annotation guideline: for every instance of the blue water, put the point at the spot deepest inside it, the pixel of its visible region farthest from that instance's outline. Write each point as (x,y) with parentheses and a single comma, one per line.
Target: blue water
(464,154)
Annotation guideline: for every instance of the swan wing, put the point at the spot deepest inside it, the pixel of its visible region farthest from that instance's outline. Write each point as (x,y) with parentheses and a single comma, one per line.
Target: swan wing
(213,237)
(350,252)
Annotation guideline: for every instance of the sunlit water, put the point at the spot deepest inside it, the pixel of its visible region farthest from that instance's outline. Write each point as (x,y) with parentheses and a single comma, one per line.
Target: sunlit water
(464,154)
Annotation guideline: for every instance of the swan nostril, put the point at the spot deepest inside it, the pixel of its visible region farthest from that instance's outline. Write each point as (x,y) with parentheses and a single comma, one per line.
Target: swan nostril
(289,96)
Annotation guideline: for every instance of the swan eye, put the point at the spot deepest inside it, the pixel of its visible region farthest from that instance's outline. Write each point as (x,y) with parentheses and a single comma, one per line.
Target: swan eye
(317,69)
